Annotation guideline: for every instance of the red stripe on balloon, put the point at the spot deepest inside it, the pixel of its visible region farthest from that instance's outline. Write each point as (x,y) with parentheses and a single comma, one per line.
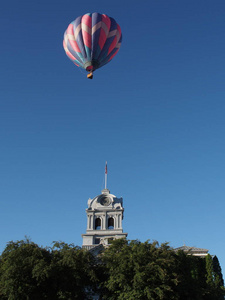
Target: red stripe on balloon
(119,30)
(106,20)
(86,38)
(113,45)
(70,30)
(64,45)
(111,57)
(87,20)
(102,38)
(69,54)
(74,45)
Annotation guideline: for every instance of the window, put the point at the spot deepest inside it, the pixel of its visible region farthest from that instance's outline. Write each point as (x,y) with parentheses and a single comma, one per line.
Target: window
(97,241)
(110,223)
(97,224)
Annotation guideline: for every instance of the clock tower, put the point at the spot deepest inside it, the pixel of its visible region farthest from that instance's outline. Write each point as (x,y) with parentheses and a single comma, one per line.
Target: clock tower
(104,220)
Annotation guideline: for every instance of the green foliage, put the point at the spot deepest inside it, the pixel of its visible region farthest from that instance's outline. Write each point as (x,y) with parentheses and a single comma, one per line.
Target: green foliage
(209,271)
(72,271)
(29,272)
(19,262)
(214,279)
(218,272)
(135,270)
(125,270)
(191,275)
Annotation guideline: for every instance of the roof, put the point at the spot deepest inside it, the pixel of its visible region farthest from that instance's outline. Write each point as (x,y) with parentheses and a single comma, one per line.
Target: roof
(97,249)
(105,200)
(191,249)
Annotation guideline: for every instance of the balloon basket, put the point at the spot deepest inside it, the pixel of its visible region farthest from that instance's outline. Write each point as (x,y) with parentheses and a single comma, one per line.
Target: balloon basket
(90,75)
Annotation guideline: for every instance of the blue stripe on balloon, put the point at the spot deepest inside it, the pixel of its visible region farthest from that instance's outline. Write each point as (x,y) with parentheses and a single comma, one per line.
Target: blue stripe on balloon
(74,53)
(108,42)
(79,39)
(101,57)
(88,53)
(77,55)
(106,59)
(78,63)
(104,52)
(96,18)
(95,45)
(87,49)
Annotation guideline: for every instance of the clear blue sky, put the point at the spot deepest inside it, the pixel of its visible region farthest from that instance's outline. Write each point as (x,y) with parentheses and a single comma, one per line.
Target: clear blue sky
(156,113)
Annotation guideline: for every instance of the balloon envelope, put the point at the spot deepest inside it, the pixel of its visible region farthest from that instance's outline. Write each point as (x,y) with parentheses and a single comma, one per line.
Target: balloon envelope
(92,40)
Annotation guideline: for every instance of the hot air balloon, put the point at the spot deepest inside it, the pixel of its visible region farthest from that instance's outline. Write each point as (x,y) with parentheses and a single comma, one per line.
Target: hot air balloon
(92,40)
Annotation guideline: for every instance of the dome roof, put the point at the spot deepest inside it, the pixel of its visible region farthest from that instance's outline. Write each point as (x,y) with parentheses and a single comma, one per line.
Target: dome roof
(105,200)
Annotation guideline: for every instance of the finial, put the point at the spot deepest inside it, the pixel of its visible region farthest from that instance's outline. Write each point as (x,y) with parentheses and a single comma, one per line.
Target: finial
(106,172)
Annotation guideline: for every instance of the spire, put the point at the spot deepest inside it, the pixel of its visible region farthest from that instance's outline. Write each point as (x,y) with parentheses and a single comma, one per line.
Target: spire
(106,172)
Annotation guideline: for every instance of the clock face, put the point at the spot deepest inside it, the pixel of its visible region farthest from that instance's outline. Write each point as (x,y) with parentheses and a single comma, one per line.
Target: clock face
(105,201)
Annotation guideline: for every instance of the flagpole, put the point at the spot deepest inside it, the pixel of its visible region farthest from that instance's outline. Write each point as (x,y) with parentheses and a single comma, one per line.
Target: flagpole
(106,174)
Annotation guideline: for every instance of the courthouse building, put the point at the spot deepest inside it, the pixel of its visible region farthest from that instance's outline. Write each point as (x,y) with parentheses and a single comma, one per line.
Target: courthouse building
(104,220)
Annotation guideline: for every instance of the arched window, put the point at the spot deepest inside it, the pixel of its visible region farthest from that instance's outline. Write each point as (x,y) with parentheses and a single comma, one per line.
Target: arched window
(110,223)
(97,241)
(97,224)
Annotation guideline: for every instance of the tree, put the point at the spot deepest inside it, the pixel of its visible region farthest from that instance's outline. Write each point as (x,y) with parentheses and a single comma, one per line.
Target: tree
(30,272)
(191,276)
(125,270)
(19,262)
(218,271)
(214,279)
(135,270)
(72,272)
